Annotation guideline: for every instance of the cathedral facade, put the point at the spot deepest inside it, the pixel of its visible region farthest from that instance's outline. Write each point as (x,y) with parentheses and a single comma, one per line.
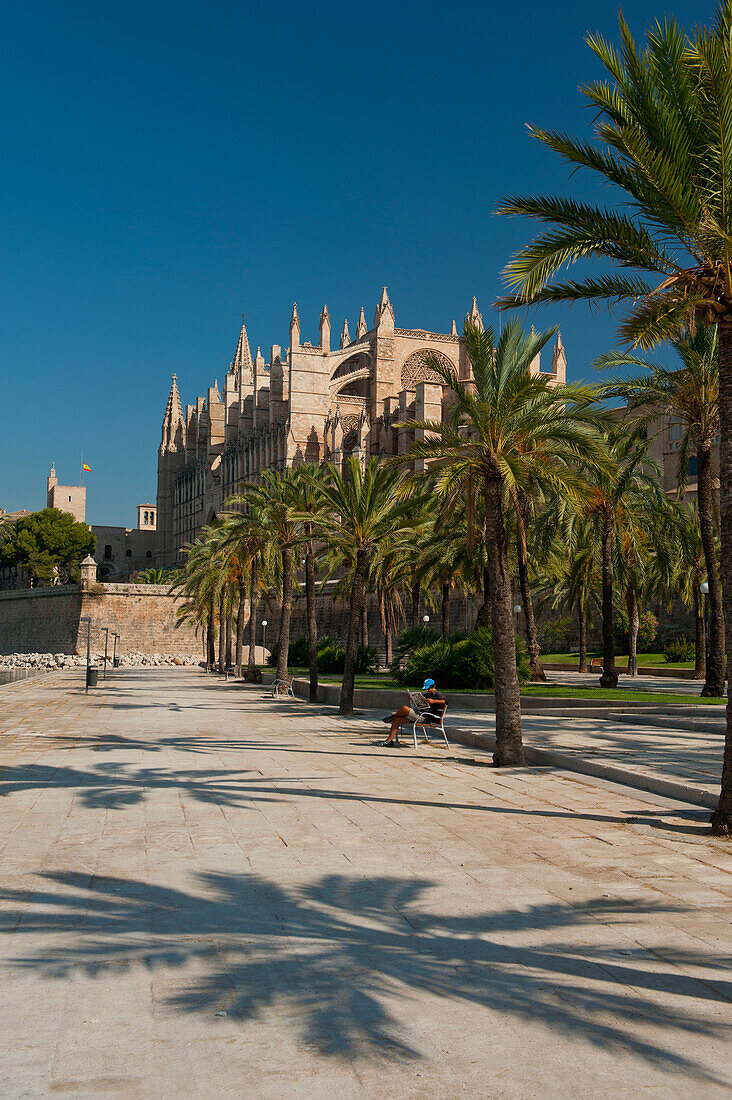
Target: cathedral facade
(309,403)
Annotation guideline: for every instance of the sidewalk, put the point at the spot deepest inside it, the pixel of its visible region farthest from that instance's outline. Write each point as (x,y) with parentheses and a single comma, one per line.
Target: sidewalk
(210,893)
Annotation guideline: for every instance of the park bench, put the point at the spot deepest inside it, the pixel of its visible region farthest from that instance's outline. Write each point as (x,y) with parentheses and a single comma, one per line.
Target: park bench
(596,665)
(282,686)
(419,704)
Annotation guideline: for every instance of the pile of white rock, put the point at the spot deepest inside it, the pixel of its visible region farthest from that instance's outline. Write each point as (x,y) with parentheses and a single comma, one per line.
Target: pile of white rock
(65,660)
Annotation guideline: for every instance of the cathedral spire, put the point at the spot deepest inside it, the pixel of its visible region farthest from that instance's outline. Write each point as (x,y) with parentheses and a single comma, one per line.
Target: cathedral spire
(361,329)
(173,414)
(242,364)
(559,359)
(453,330)
(345,335)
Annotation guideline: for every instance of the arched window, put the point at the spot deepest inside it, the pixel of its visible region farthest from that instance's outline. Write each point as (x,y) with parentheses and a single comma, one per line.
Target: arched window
(128,553)
(107,552)
(147,517)
(149,554)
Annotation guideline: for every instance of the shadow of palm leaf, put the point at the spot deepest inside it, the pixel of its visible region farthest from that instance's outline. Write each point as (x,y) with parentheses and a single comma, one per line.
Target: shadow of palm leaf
(334,957)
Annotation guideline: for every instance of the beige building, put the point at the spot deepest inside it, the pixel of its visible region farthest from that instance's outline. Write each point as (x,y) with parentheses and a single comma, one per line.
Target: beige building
(310,403)
(120,550)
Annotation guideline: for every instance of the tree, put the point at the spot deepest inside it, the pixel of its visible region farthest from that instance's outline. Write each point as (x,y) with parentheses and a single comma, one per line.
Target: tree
(246,532)
(506,431)
(681,565)
(363,508)
(306,482)
(663,130)
(156,576)
(690,396)
(48,545)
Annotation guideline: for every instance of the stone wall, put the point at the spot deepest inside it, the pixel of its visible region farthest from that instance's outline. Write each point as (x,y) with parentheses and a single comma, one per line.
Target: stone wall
(48,620)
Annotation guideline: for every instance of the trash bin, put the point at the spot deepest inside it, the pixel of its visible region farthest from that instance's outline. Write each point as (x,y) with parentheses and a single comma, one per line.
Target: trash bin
(92,676)
(116,662)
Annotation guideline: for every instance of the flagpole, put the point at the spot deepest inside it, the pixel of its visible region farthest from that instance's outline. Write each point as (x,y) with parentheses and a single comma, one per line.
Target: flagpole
(81,470)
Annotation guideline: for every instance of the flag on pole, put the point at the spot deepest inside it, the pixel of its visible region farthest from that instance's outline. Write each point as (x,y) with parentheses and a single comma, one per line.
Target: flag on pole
(85,467)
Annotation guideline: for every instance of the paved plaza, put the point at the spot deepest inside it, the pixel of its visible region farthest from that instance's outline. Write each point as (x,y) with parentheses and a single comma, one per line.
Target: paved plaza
(207,893)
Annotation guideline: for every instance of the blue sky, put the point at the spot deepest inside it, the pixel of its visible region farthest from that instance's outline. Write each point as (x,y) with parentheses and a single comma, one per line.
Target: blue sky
(166,166)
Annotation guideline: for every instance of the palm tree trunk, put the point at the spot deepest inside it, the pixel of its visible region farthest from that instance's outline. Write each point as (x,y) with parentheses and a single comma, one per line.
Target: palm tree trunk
(415,601)
(365,621)
(537,673)
(509,747)
(631,604)
(354,624)
(229,636)
(446,592)
(722,816)
(211,633)
(222,634)
(283,640)
(700,636)
(240,625)
(385,628)
(483,618)
(582,617)
(609,678)
(253,609)
(714,685)
(312,623)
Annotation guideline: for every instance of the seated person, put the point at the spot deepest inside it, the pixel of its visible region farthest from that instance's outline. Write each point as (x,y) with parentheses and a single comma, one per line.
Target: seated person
(436,705)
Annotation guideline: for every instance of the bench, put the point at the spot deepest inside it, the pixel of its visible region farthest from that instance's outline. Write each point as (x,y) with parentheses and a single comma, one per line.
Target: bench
(419,704)
(596,665)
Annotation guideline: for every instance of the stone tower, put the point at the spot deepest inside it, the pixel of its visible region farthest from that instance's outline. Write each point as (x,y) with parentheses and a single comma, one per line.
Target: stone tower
(171,460)
(67,498)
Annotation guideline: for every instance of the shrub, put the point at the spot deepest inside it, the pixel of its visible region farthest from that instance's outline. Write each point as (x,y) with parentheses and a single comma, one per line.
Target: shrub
(413,637)
(647,632)
(331,658)
(459,662)
(679,649)
(555,636)
(298,652)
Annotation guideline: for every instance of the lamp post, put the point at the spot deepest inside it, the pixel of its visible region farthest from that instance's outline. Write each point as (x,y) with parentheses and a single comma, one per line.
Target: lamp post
(115,636)
(264,639)
(106,643)
(425,619)
(704,589)
(87,620)
(517,612)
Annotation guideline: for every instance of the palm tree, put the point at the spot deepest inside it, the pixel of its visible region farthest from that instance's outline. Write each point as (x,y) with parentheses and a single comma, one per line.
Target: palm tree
(681,568)
(274,502)
(690,396)
(306,482)
(505,431)
(663,129)
(247,533)
(361,511)
(568,570)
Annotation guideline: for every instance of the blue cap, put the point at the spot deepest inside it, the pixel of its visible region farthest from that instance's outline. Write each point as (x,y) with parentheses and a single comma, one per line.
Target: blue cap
(428,684)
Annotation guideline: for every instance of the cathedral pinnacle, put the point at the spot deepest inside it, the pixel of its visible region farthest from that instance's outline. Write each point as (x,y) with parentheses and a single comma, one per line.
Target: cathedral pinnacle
(475,317)
(453,330)
(295,327)
(361,329)
(345,335)
(384,316)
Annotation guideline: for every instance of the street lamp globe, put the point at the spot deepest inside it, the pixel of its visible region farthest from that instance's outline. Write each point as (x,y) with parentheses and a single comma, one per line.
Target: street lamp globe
(517,608)
(704,588)
(425,618)
(264,622)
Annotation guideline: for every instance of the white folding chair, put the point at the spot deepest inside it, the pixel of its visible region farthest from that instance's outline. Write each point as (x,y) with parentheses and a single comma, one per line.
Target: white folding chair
(283,687)
(419,704)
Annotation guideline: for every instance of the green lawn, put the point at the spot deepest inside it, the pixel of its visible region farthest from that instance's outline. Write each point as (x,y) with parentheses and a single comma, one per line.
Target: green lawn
(557,691)
(650,660)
